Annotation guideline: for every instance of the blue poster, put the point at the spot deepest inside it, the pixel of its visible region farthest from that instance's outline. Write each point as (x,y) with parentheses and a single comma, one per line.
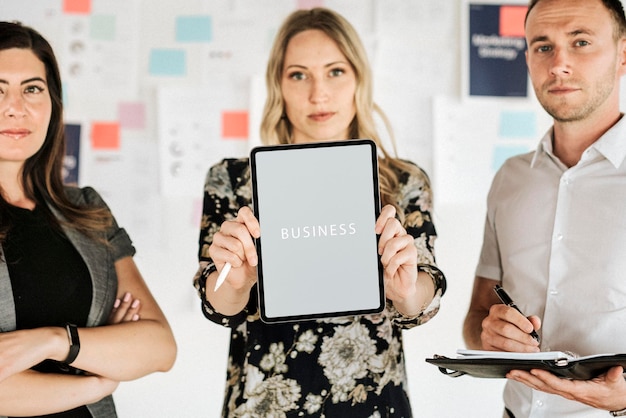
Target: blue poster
(496,51)
(72,153)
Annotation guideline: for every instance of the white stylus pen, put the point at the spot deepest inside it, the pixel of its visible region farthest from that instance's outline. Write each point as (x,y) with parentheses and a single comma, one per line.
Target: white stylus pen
(222,277)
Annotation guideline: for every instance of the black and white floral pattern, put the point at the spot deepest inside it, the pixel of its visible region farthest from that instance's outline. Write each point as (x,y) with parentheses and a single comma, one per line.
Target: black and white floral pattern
(338,367)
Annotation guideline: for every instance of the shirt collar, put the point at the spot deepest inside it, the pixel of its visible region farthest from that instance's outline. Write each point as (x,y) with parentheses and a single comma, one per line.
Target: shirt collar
(611,145)
(544,149)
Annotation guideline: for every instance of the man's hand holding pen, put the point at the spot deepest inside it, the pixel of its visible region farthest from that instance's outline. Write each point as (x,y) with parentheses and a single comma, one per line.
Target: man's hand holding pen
(507,329)
(506,299)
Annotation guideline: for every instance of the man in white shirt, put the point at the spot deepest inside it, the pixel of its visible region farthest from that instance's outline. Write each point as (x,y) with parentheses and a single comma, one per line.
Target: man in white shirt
(555,231)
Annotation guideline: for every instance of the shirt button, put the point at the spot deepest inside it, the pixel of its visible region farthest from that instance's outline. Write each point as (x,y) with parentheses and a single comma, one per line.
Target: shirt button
(559,237)
(554,292)
(539,404)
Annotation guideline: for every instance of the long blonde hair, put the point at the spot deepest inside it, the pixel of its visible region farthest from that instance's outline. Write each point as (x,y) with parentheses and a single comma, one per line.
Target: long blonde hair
(276,128)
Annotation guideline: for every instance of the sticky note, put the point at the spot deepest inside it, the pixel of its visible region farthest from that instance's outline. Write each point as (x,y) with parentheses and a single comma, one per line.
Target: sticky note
(517,124)
(512,21)
(235,124)
(168,62)
(77,6)
(309,4)
(193,29)
(196,213)
(102,27)
(66,89)
(502,152)
(105,136)
(132,115)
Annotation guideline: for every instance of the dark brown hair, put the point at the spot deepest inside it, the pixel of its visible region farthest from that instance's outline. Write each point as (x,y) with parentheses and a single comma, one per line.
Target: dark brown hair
(615,8)
(42,176)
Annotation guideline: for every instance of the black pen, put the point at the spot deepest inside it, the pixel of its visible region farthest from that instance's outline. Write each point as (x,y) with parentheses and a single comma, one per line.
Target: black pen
(506,299)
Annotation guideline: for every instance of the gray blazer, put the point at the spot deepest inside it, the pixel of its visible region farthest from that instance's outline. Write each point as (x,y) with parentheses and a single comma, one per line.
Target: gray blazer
(100,260)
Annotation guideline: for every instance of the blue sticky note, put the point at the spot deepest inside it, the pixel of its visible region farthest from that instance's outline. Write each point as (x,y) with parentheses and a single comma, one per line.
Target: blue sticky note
(66,88)
(521,124)
(171,62)
(193,29)
(102,27)
(502,152)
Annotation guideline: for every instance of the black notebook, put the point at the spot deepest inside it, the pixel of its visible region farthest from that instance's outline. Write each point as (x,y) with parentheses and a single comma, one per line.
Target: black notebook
(496,364)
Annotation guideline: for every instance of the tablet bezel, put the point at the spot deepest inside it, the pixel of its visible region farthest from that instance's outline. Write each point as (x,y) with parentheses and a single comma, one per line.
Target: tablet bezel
(258,242)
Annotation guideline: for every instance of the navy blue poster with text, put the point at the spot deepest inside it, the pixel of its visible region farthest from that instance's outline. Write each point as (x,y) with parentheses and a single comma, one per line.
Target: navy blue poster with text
(72,154)
(496,52)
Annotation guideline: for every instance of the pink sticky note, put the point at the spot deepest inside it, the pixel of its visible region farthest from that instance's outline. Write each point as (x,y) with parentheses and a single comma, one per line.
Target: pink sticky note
(235,124)
(77,6)
(105,136)
(309,4)
(196,212)
(512,21)
(132,115)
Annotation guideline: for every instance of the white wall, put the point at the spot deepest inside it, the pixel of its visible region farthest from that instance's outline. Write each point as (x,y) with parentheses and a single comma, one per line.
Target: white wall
(415,49)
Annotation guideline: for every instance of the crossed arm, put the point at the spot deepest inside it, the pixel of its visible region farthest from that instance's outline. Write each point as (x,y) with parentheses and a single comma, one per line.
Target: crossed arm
(129,347)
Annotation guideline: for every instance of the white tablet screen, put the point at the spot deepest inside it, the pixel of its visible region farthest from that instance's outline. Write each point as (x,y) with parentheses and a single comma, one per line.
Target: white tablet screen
(317,204)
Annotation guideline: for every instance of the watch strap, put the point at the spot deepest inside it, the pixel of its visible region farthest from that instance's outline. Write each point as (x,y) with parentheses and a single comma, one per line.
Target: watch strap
(620,413)
(74,341)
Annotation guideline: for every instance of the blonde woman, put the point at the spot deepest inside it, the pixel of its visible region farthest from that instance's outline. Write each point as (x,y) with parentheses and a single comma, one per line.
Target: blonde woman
(319,89)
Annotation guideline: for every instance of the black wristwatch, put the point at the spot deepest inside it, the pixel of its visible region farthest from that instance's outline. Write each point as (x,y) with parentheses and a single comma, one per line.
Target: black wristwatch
(620,413)
(74,341)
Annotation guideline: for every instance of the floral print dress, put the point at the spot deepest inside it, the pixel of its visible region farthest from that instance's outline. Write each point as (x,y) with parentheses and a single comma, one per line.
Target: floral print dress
(338,367)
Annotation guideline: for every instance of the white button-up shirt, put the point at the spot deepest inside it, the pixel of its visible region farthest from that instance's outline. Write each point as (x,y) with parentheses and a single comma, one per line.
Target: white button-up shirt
(556,237)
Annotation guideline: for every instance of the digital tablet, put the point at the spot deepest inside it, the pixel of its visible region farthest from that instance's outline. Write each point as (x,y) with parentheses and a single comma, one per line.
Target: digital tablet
(317,205)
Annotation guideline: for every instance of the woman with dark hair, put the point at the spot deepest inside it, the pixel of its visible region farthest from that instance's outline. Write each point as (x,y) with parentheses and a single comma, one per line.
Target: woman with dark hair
(76,317)
(319,88)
